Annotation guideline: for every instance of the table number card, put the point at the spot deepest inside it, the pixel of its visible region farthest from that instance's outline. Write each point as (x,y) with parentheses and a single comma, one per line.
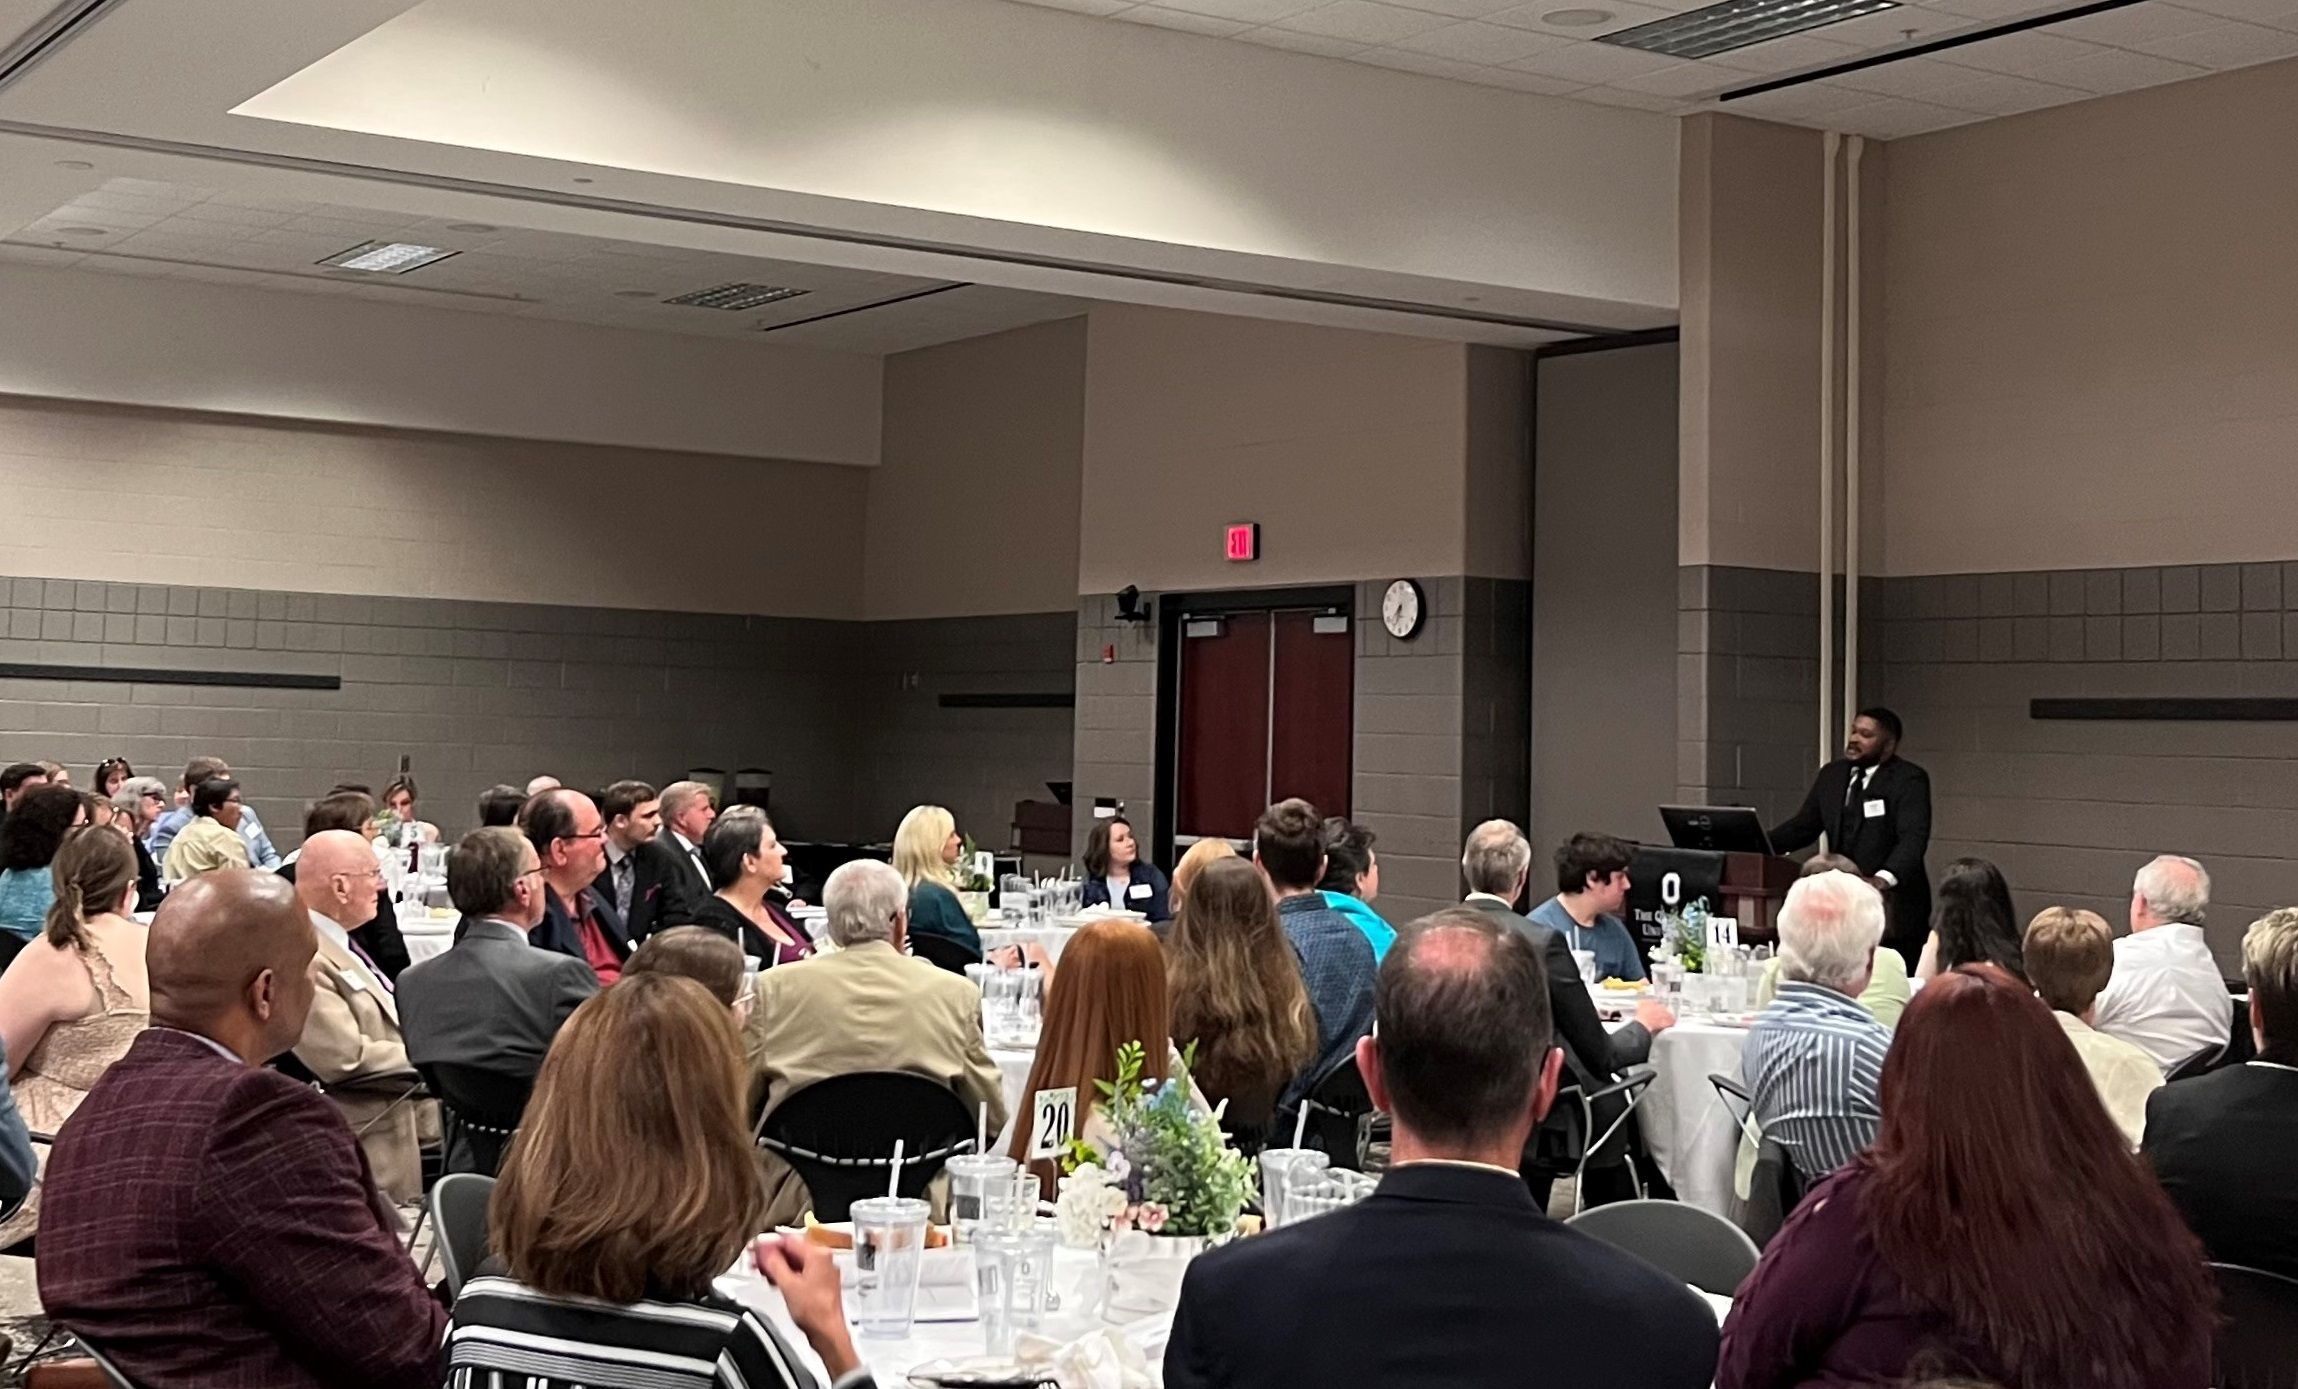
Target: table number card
(1723,933)
(1052,1122)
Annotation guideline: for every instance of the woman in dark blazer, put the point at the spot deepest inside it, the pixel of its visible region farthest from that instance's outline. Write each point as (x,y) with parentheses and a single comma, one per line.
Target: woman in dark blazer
(1117,876)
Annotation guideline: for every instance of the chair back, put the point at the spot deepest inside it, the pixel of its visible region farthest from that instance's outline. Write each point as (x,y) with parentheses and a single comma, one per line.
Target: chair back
(839,1134)
(2257,1346)
(1685,1242)
(459,1223)
(943,953)
(1772,1192)
(479,1110)
(1339,1108)
(1738,1102)
(2201,1063)
(112,1375)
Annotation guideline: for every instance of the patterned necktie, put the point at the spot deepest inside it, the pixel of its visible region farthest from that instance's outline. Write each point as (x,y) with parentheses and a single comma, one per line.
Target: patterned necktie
(622,883)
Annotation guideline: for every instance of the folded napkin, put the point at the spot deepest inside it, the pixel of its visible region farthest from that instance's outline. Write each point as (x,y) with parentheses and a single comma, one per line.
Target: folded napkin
(1102,1359)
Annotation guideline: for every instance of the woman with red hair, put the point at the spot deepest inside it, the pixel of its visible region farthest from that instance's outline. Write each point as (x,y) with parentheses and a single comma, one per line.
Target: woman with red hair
(1999,1227)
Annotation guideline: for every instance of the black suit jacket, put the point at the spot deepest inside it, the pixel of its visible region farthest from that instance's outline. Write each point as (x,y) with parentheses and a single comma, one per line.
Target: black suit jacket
(1893,841)
(661,892)
(2221,1145)
(1445,1276)
(558,932)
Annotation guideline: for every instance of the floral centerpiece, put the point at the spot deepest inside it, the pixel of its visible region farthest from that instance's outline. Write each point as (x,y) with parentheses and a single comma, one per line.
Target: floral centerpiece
(1168,1186)
(973,885)
(1686,938)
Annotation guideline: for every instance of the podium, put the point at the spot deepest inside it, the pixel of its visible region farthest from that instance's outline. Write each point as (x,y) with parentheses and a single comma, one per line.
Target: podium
(1720,856)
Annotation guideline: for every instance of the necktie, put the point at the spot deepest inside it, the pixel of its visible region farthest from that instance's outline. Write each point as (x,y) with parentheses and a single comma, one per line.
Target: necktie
(622,884)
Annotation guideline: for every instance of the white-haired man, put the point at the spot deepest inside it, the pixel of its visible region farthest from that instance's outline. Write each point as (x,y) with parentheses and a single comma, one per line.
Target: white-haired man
(870,1006)
(2166,996)
(1814,1061)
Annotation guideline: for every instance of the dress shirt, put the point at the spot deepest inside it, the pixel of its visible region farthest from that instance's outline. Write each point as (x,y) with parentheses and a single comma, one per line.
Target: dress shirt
(2124,1075)
(332,929)
(1814,1064)
(259,847)
(693,853)
(1854,791)
(1336,964)
(2166,996)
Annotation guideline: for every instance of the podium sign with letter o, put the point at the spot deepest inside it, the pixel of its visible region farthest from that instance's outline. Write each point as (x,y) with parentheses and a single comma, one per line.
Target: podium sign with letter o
(1663,879)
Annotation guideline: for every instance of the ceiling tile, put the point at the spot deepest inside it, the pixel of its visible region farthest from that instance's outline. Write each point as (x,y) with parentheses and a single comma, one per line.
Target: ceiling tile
(1813,101)
(2274,14)
(1318,44)
(1791,54)
(1895,117)
(2114,70)
(1615,96)
(1183,20)
(1888,27)
(1083,6)
(2000,94)
(1994,9)
(1470,9)
(2125,26)
(1473,41)
(2020,54)
(1624,16)
(2227,44)
(1531,82)
(1593,62)
(1246,11)
(1910,77)
(1426,64)
(1364,21)
(1683,80)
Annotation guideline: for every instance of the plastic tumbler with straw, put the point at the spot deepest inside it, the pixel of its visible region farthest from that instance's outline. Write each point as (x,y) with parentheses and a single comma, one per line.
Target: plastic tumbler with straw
(972,1176)
(1278,1166)
(889,1239)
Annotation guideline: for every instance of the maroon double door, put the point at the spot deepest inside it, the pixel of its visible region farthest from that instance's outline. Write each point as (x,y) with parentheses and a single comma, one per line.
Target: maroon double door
(1266,711)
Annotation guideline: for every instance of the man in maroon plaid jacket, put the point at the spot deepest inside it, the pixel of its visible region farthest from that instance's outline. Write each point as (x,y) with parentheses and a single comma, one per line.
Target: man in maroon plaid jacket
(208,1223)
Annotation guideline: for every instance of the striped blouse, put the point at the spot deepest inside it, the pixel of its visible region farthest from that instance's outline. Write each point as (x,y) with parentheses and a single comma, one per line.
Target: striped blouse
(505,1335)
(1814,1067)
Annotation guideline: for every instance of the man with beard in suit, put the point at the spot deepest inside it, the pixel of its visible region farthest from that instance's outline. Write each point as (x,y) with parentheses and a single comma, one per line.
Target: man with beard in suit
(1874,806)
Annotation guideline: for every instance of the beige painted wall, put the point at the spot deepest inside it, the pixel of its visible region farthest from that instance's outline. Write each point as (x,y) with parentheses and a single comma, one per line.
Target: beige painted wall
(2091,333)
(1347,447)
(165,496)
(973,509)
(1499,480)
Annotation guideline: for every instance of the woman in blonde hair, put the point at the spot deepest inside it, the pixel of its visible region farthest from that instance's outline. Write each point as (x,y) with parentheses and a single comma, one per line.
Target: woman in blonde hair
(1192,863)
(926,852)
(73,1001)
(629,1189)
(1237,993)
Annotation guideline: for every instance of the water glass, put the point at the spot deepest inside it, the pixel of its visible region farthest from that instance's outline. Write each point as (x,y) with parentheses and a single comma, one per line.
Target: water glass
(973,1176)
(889,1239)
(1009,1205)
(1279,1175)
(1586,960)
(1013,1278)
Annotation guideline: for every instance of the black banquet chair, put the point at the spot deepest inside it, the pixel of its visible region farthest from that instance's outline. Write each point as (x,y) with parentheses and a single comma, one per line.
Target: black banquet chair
(479,1110)
(839,1135)
(943,953)
(1340,1109)
(2257,1345)
(1697,1246)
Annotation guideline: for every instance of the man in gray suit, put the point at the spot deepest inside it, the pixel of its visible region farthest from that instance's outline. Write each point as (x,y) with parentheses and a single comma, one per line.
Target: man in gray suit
(493,1002)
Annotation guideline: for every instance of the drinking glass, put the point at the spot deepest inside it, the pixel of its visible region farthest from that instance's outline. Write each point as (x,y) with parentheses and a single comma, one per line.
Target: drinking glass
(1586,960)
(972,1176)
(1279,1169)
(1009,1205)
(889,1238)
(1013,1274)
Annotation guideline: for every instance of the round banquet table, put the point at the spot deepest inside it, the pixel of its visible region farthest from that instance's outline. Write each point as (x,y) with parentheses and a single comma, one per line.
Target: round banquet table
(1054,939)
(428,933)
(1690,1134)
(1013,1065)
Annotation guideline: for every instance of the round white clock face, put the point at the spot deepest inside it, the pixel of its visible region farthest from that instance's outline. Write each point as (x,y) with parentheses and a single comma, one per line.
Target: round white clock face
(1400,609)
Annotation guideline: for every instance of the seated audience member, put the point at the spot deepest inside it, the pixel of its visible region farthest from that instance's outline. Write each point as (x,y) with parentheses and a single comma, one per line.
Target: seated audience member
(1998,1230)
(492,1001)
(354,811)
(260,853)
(1237,994)
(1110,990)
(74,1000)
(704,956)
(643,876)
(538,784)
(927,847)
(570,839)
(211,840)
(1116,874)
(1201,853)
(140,801)
(399,804)
(1591,892)
(499,805)
(1972,922)
(1814,1059)
(628,1191)
(18,778)
(353,1030)
(745,862)
(1448,1274)
(688,812)
(57,776)
(29,839)
(2221,1143)
(2166,997)
(867,1007)
(199,1202)
(1335,958)
(1887,988)
(111,774)
(1497,863)
(2069,955)
(1352,881)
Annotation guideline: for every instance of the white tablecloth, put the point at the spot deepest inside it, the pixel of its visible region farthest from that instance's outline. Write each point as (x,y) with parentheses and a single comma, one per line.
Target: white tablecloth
(1013,1065)
(1054,939)
(1690,1134)
(427,932)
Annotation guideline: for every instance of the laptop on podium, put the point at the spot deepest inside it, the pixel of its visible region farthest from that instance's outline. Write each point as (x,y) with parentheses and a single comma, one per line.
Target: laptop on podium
(1730,829)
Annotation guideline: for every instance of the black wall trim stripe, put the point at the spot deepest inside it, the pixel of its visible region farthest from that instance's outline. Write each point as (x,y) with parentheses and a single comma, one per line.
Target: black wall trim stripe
(1917,50)
(155,675)
(2169,709)
(1054,699)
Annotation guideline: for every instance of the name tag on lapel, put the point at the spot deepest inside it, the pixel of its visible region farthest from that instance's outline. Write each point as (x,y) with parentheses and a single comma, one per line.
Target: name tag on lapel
(1873,810)
(1137,890)
(352,981)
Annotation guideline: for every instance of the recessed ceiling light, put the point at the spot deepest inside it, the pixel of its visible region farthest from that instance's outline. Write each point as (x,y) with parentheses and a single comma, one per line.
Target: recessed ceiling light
(1576,19)
(736,295)
(474,228)
(386,257)
(634,294)
(85,231)
(1703,33)
(74,164)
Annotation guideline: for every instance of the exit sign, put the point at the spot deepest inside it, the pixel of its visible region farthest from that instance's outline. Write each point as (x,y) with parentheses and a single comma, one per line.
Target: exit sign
(1244,542)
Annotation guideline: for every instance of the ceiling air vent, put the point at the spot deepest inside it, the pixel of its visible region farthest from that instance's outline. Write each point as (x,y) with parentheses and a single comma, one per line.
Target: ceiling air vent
(1703,33)
(738,295)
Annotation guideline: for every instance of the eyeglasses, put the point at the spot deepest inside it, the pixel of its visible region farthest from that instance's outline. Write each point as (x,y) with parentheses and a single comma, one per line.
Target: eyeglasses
(599,833)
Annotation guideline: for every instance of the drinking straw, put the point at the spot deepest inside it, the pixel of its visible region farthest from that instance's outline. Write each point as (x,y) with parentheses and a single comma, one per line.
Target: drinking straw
(894,1177)
(981,1127)
(1301,1125)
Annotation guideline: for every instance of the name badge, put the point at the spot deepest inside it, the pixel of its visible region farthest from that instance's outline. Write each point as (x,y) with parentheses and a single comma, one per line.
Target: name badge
(1138,890)
(1873,810)
(352,981)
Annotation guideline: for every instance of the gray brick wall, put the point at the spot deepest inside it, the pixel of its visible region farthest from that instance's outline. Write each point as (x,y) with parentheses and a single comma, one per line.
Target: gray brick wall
(1115,751)
(2071,809)
(1747,687)
(477,693)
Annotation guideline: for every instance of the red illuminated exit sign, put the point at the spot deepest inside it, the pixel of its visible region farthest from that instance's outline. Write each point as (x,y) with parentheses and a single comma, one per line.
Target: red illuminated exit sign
(1244,542)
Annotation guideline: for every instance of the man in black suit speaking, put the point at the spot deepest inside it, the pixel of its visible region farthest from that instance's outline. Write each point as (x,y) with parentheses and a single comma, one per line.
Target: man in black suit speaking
(1448,1274)
(1874,806)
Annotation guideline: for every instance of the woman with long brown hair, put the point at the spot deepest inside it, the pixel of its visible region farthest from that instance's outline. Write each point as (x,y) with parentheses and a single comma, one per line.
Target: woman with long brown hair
(630,1188)
(1237,993)
(2002,1230)
(1110,990)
